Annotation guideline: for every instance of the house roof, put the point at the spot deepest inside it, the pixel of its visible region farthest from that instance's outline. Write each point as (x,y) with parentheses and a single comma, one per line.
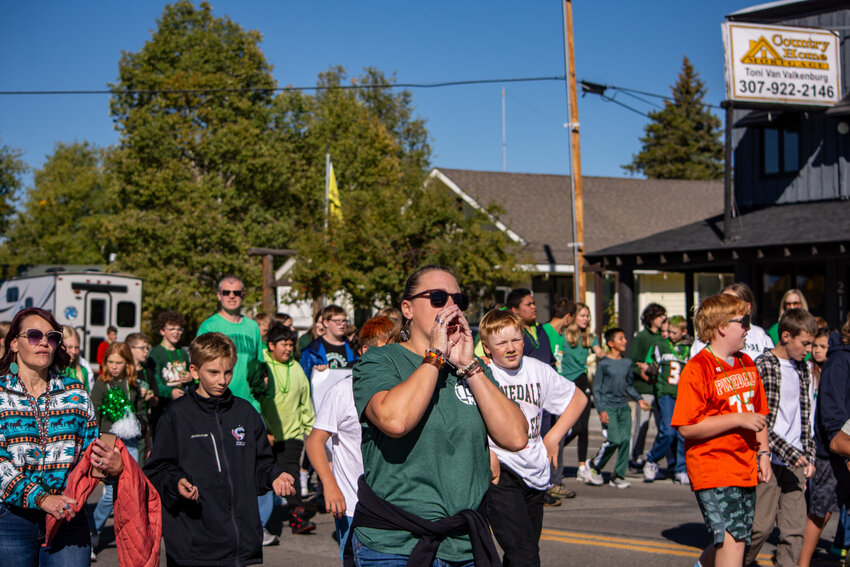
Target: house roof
(780,225)
(537,208)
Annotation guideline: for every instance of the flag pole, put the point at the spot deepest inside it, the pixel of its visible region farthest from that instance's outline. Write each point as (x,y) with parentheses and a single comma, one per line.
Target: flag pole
(327,189)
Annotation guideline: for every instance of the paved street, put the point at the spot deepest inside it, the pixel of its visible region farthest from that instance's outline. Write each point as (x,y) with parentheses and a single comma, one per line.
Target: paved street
(656,524)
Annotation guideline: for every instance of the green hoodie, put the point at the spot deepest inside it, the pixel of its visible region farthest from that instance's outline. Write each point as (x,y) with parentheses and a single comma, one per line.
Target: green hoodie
(287,406)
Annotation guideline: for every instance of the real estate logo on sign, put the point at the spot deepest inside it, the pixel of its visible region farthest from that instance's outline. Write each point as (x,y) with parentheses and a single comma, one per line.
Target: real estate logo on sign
(781,64)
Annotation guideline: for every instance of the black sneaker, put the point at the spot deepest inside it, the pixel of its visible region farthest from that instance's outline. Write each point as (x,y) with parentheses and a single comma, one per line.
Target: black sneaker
(550,501)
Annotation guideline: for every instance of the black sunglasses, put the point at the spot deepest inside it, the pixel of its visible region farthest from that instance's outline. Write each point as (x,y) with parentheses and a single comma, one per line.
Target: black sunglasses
(34,336)
(234,292)
(744,321)
(439,298)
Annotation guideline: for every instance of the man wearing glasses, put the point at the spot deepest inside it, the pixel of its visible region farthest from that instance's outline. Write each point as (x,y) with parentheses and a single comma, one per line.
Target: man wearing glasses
(243,331)
(331,350)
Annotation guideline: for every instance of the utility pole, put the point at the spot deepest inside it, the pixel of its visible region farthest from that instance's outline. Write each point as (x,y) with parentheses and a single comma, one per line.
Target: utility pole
(575,153)
(504,135)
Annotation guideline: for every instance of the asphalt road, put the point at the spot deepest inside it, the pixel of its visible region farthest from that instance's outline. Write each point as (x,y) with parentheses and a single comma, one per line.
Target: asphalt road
(656,524)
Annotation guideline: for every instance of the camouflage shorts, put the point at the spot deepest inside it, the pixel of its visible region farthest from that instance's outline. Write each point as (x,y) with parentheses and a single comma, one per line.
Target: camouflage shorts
(728,509)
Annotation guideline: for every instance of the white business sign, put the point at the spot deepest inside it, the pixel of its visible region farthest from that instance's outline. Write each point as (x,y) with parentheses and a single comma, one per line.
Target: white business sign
(781,64)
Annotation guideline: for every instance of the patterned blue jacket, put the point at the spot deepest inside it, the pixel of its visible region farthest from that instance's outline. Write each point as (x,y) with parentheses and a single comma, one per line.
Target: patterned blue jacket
(26,472)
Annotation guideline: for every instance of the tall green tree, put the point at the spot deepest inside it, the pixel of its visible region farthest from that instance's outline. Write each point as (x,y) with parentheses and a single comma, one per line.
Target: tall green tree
(198,177)
(12,167)
(63,211)
(211,162)
(683,140)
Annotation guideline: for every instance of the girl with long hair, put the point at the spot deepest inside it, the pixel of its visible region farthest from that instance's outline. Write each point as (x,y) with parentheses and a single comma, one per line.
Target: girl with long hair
(580,341)
(119,407)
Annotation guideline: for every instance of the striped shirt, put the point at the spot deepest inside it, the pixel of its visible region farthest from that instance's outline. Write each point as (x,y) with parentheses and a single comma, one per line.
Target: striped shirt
(28,471)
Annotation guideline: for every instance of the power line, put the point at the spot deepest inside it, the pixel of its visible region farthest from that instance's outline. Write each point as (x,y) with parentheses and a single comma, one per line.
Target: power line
(287,89)
(441,84)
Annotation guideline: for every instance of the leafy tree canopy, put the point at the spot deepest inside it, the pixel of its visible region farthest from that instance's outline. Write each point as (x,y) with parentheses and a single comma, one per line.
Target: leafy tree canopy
(682,141)
(11,169)
(211,162)
(62,211)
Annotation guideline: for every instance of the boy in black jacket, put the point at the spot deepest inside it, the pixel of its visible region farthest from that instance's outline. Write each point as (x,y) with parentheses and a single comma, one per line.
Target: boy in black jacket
(210,460)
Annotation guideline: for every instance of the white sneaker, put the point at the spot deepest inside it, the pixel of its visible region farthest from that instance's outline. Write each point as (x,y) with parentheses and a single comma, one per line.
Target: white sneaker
(682,478)
(650,469)
(93,557)
(269,539)
(594,477)
(582,474)
(618,482)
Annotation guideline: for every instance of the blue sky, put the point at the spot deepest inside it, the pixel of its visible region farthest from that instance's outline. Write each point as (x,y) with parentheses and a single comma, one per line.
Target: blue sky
(75,44)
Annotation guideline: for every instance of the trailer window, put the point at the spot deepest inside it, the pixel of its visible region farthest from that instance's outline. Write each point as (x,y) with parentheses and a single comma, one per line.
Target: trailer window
(126,314)
(12,294)
(28,303)
(97,312)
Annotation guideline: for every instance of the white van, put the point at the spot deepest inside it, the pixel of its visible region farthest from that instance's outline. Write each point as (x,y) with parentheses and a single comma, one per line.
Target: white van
(90,301)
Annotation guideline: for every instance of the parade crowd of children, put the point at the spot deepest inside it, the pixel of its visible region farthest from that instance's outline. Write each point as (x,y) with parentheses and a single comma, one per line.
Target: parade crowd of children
(249,419)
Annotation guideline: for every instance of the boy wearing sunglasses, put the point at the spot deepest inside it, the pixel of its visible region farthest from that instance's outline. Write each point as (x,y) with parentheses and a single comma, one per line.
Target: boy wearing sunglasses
(332,349)
(721,412)
(786,378)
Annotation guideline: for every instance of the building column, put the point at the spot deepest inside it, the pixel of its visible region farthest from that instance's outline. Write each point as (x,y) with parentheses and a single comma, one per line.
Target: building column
(626,301)
(689,301)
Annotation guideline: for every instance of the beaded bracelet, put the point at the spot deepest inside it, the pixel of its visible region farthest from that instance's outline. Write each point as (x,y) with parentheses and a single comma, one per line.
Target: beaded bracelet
(41,498)
(469,369)
(434,357)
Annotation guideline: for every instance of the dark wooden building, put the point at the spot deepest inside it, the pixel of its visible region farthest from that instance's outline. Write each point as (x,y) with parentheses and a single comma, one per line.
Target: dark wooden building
(790,224)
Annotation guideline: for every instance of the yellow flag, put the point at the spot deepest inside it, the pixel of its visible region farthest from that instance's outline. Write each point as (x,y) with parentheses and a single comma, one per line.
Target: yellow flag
(335,207)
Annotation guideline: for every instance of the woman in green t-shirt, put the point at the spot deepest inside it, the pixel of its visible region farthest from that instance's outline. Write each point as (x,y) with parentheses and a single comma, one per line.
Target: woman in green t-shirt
(427,406)
(579,341)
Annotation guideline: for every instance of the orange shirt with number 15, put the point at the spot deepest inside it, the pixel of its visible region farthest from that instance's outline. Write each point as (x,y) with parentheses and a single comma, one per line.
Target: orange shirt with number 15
(709,386)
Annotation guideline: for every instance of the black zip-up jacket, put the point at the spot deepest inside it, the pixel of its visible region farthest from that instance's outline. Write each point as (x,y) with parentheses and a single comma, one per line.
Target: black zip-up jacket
(219,444)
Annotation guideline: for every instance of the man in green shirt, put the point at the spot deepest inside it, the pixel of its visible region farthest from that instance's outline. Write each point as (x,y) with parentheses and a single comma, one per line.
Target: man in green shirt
(653,317)
(243,331)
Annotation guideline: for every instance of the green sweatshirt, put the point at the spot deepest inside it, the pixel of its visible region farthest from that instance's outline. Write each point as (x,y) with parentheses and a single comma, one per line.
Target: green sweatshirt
(641,345)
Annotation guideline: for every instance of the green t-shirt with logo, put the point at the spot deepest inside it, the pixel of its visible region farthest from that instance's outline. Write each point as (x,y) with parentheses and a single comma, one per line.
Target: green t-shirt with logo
(249,345)
(671,361)
(438,469)
(168,365)
(556,342)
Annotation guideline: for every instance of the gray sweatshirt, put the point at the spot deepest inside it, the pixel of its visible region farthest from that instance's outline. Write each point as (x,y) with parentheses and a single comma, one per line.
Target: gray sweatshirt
(613,384)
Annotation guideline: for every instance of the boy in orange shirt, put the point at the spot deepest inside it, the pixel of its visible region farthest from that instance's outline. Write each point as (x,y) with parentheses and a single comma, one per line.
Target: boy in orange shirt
(721,412)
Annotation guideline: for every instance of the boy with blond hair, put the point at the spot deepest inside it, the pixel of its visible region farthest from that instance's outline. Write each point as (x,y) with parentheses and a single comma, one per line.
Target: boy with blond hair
(721,412)
(520,479)
(210,459)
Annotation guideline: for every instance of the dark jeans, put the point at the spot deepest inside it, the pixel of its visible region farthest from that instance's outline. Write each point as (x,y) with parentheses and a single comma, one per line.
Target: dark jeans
(515,512)
(287,454)
(22,533)
(581,429)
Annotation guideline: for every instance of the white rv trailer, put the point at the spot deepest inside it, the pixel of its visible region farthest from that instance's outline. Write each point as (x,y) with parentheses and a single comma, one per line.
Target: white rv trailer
(87,300)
